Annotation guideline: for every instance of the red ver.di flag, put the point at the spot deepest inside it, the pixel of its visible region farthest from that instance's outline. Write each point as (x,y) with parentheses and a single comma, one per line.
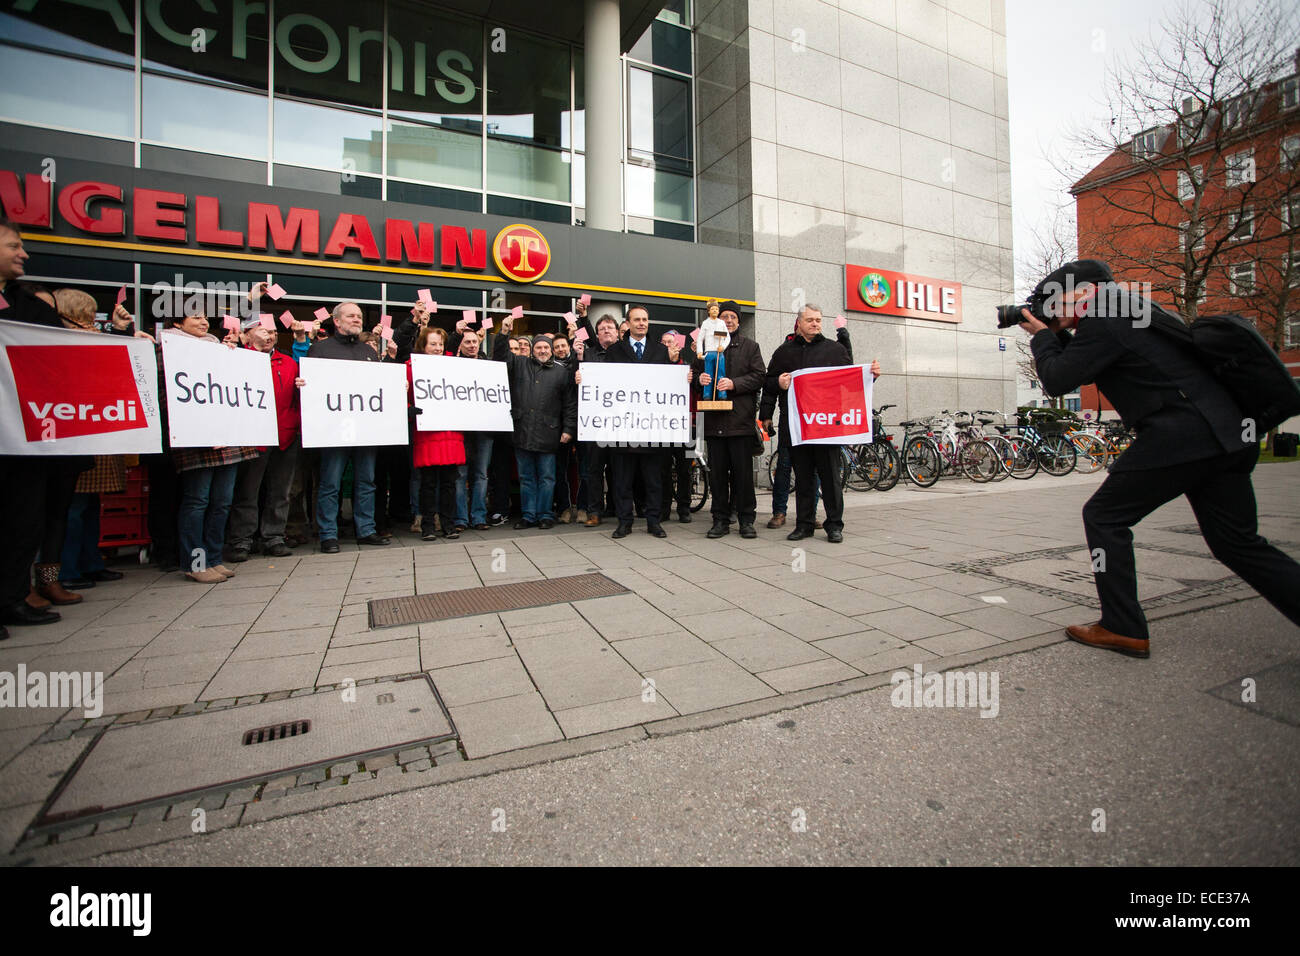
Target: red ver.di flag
(830,406)
(69,392)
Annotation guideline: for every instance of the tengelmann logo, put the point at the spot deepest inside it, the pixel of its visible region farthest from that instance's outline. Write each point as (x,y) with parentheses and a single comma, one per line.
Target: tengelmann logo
(102,909)
(55,689)
(946,689)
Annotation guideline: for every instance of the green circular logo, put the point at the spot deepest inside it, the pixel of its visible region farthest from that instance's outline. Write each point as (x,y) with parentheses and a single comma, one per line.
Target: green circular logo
(874,290)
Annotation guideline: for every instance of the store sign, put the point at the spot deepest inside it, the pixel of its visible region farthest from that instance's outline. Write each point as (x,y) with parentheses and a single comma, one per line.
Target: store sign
(97,208)
(884,292)
(521,253)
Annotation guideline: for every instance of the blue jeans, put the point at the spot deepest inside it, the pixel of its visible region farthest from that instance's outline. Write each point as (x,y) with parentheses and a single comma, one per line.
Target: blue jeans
(536,483)
(205,504)
(478,456)
(81,543)
(781,482)
(332,463)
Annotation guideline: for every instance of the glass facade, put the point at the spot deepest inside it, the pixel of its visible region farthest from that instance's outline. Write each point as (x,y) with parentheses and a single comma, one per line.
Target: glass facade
(396,99)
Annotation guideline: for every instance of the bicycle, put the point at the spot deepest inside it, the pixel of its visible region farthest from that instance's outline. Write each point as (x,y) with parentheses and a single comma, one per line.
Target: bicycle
(1053,452)
(699,460)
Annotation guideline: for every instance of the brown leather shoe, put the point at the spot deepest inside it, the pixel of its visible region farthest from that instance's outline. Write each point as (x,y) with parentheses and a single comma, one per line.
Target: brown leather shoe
(35,600)
(777,521)
(593,520)
(49,587)
(1094,635)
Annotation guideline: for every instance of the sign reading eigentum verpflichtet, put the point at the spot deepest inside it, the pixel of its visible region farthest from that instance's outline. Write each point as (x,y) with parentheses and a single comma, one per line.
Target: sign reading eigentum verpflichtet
(910,296)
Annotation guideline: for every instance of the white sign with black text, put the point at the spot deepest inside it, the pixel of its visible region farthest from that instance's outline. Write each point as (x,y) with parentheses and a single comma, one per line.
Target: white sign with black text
(352,404)
(217,396)
(460,394)
(634,405)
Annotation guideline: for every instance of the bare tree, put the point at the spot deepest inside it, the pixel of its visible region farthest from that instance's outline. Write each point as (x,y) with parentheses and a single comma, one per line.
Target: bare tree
(1184,192)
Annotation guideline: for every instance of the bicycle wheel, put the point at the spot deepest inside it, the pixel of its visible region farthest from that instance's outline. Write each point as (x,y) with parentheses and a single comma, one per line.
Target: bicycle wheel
(1024,461)
(1006,455)
(890,470)
(857,475)
(772,460)
(922,462)
(1057,455)
(1091,451)
(868,466)
(699,485)
(979,461)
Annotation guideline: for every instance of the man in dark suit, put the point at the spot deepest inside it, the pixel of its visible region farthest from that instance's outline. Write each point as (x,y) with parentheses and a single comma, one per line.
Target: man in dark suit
(638,347)
(1191,440)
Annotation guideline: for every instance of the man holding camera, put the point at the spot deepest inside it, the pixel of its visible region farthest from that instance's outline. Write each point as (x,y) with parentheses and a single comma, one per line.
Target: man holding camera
(1191,440)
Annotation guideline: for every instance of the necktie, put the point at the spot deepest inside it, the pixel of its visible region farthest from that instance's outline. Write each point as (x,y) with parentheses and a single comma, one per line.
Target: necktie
(639,347)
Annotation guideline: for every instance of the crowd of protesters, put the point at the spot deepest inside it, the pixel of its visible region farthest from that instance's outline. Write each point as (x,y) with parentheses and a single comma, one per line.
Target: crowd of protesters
(211,508)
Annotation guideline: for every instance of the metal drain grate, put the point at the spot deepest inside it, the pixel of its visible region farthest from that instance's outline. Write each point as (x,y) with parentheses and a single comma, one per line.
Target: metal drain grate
(260,735)
(423,608)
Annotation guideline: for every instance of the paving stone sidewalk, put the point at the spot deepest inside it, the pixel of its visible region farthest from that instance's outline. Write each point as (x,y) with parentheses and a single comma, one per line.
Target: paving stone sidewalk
(922,576)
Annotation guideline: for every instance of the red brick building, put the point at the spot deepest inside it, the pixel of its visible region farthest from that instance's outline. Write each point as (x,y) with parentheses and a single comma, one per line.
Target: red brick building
(1223,178)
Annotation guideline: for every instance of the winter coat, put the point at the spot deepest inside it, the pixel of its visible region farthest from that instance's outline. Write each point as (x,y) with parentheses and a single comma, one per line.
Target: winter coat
(433,448)
(288,415)
(797,353)
(743,364)
(543,400)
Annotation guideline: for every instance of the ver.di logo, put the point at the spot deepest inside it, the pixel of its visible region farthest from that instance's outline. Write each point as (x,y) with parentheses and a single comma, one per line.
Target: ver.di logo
(874,290)
(521,253)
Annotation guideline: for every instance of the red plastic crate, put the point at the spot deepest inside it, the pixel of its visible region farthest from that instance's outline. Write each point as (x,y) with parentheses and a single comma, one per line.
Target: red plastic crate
(123,505)
(117,530)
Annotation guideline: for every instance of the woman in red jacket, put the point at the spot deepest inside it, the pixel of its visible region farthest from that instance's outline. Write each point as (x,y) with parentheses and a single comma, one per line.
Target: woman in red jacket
(436,454)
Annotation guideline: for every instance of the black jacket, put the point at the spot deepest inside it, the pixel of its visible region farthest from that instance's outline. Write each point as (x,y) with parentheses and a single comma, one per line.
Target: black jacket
(797,353)
(654,353)
(1177,408)
(23,306)
(743,364)
(543,401)
(348,347)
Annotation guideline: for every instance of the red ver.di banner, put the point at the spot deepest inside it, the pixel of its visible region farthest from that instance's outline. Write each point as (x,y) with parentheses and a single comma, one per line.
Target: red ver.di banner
(830,406)
(68,392)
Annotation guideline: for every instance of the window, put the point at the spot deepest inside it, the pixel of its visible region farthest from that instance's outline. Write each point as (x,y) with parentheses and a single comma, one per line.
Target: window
(332,51)
(1291,335)
(203,117)
(1291,213)
(1290,93)
(659,116)
(1236,112)
(1241,279)
(307,135)
(1188,184)
(1198,236)
(1147,144)
(1292,265)
(1240,168)
(1241,225)
(1288,151)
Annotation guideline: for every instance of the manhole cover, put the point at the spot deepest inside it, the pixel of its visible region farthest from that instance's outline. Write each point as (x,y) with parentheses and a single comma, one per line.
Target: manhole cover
(149,763)
(423,608)
(1271,692)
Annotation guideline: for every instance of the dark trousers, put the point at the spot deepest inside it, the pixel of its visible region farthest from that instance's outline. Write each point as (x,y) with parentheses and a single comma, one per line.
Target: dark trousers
(22,522)
(164,507)
(731,479)
(500,473)
(392,485)
(266,478)
(815,464)
(628,467)
(676,481)
(438,495)
(597,460)
(62,479)
(1223,499)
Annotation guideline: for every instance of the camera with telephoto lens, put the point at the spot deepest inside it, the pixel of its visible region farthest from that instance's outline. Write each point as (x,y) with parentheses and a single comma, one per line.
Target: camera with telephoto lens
(1009,315)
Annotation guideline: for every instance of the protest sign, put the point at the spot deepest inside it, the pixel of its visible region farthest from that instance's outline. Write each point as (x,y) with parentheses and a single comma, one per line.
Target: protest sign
(66,392)
(830,406)
(346,404)
(626,404)
(460,394)
(217,395)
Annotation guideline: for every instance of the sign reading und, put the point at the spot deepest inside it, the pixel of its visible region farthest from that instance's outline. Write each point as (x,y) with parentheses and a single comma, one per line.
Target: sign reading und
(909,296)
(347,404)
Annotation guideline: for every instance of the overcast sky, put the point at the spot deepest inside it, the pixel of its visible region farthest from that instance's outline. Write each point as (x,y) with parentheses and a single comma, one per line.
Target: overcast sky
(1057,51)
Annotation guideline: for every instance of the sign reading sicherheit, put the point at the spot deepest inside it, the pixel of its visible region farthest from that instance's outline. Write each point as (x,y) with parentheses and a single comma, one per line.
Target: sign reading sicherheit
(909,296)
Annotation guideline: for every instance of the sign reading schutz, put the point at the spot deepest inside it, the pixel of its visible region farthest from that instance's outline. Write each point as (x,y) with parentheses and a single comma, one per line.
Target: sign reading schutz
(460,394)
(350,404)
(883,292)
(217,395)
(634,405)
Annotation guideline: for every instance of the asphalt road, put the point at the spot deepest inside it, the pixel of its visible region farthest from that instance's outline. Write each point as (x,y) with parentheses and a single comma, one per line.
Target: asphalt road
(1182,776)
